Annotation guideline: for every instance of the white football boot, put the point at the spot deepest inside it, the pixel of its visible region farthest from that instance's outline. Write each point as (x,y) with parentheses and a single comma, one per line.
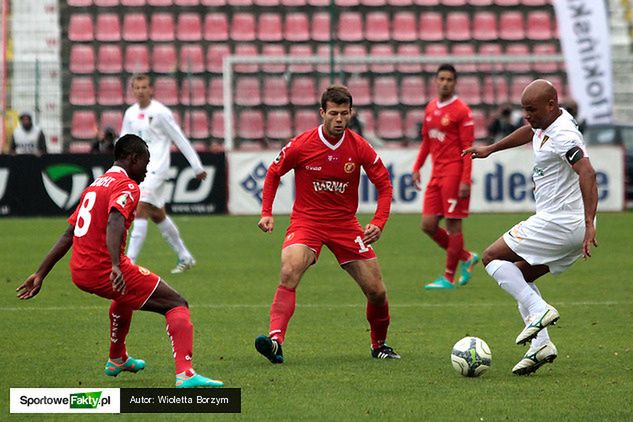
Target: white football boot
(184,265)
(537,323)
(535,358)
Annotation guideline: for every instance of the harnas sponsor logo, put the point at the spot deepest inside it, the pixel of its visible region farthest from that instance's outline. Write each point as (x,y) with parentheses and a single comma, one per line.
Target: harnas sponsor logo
(330,186)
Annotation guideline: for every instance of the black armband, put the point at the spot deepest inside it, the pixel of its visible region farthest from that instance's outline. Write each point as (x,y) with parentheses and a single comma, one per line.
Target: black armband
(574,155)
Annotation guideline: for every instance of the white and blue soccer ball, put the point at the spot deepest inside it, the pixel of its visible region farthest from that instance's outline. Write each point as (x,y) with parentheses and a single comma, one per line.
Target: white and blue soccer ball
(471,357)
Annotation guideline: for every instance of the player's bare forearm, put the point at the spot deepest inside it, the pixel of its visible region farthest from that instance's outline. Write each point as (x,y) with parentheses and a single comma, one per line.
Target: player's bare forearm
(114,235)
(520,136)
(589,192)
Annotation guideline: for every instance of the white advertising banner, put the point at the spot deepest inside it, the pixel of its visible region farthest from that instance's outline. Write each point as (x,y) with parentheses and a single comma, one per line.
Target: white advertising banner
(584,35)
(501,183)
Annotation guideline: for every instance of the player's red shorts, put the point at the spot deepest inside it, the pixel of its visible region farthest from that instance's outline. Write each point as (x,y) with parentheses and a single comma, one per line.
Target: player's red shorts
(344,239)
(441,198)
(140,283)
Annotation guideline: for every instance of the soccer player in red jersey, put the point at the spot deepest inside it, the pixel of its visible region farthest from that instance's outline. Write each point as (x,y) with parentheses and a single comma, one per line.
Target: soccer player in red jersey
(326,162)
(447,131)
(98,265)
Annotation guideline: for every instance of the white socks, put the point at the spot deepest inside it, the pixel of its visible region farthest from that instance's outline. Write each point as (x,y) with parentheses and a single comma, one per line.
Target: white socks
(542,337)
(511,279)
(137,238)
(171,234)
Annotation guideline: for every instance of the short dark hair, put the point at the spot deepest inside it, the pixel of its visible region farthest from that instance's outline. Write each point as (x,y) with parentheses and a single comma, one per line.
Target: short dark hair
(337,94)
(447,67)
(129,144)
(141,77)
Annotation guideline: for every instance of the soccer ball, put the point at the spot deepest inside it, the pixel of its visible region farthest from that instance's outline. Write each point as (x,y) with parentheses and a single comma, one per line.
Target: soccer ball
(471,356)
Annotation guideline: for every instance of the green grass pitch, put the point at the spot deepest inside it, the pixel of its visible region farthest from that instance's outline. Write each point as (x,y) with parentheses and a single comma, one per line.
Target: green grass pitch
(60,338)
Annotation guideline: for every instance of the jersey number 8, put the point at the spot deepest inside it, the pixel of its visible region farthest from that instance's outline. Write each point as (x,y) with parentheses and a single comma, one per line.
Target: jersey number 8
(84,217)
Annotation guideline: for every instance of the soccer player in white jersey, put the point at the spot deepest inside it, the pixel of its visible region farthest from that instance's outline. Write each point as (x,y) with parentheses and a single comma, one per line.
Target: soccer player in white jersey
(563,228)
(155,124)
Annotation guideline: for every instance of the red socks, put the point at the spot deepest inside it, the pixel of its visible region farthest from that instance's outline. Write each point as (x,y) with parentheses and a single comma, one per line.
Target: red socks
(378,317)
(454,252)
(281,311)
(441,237)
(120,319)
(180,330)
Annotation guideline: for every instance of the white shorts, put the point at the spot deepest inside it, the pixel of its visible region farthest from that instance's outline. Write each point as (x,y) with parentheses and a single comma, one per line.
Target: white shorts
(545,240)
(153,190)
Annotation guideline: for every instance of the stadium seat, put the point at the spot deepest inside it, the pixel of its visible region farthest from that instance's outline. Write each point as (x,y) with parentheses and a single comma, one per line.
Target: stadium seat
(251,125)
(413,124)
(132,3)
(129,94)
(377,27)
(464,50)
(193,91)
(166,90)
(247,92)
(323,50)
(273,50)
(507,2)
(305,120)
(350,27)
(434,50)
(160,2)
(246,50)
(294,3)
(217,125)
(517,86)
(266,3)
(279,125)
(108,27)
(84,125)
(82,59)
(111,118)
(189,27)
(275,92)
(458,26)
(469,90)
(490,49)
(216,27)
(480,3)
(215,55)
(297,27)
(389,125)
(164,58)
(542,49)
(80,27)
(404,27)
(346,3)
(373,3)
(243,27)
(82,91)
(191,58)
(485,26)
(431,26)
(359,88)
(511,26)
(558,83)
(213,3)
(234,3)
(355,50)
(427,2)
(269,27)
(215,93)
(412,91)
(535,2)
(79,3)
(320,26)
(385,51)
(479,121)
(186,2)
(77,147)
(136,58)
(518,50)
(162,27)
(301,50)
(303,91)
(540,26)
(109,59)
(319,3)
(409,50)
(110,91)
(495,90)
(454,2)
(196,124)
(135,27)
(385,91)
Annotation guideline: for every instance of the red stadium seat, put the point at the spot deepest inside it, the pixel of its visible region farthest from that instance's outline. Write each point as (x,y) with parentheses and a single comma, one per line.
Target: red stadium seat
(269,27)
(82,59)
(82,91)
(373,3)
(409,50)
(469,89)
(540,26)
(187,2)
(458,26)
(511,26)
(135,27)
(319,3)
(297,27)
(266,3)
(109,59)
(196,124)
(359,88)
(279,125)
(80,27)
(377,26)
(162,27)
(427,2)
(129,94)
(480,3)
(412,125)
(110,91)
(355,50)
(323,50)
(485,26)
(113,119)
(454,2)
(541,49)
(166,90)
(399,3)
(84,125)
(273,50)
(160,2)
(107,27)
(79,3)
(516,88)
(243,27)
(193,91)
(412,91)
(301,50)
(435,50)
(303,92)
(247,92)
(389,125)
(558,83)
(507,2)
(77,147)
(251,125)
(217,124)
(346,3)
(246,50)
(215,95)
(350,27)
(385,91)
(431,26)
(320,26)
(191,58)
(305,120)
(382,50)
(535,2)
(215,55)
(404,27)
(233,3)
(106,3)
(216,27)
(495,90)
(136,58)
(479,120)
(292,3)
(164,58)
(132,2)
(189,27)
(464,50)
(518,50)
(490,49)
(275,91)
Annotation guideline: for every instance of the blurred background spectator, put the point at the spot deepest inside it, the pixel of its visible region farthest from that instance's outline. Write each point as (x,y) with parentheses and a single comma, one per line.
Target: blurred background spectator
(28,138)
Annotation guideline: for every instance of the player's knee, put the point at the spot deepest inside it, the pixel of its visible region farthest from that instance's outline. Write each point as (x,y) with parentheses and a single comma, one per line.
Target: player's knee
(488,256)
(289,276)
(428,228)
(377,296)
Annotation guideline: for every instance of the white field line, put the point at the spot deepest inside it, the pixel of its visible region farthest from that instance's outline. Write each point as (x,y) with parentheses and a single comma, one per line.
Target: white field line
(315,305)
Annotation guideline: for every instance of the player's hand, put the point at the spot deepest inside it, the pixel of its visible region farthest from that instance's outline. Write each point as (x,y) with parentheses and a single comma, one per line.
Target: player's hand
(372,234)
(590,239)
(464,191)
(202,175)
(477,152)
(116,278)
(266,224)
(30,287)
(417,180)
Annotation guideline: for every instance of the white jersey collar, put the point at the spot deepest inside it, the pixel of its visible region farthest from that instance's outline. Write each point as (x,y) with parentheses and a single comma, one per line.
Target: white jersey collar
(325,141)
(117,169)
(441,104)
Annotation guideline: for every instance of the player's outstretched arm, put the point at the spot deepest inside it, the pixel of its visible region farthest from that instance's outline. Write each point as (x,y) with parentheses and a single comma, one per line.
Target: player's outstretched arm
(519,137)
(114,239)
(33,283)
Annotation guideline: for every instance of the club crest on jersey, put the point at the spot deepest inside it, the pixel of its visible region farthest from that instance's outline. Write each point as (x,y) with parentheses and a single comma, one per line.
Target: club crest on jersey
(349,167)
(122,200)
(143,270)
(446,120)
(545,139)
